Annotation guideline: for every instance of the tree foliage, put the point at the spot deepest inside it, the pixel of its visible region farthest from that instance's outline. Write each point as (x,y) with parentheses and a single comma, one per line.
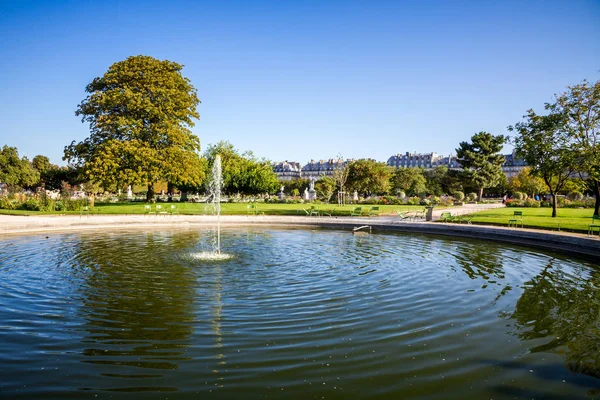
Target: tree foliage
(579,107)
(481,160)
(369,177)
(525,182)
(326,187)
(16,171)
(242,173)
(140,113)
(409,180)
(542,143)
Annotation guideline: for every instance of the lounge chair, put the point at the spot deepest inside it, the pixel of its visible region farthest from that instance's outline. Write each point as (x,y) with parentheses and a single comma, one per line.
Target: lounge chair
(251,209)
(403,216)
(447,217)
(466,218)
(312,211)
(594,225)
(357,212)
(516,219)
(374,211)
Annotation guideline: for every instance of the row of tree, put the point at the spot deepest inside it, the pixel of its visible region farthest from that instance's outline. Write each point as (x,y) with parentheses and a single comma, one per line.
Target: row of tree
(141,111)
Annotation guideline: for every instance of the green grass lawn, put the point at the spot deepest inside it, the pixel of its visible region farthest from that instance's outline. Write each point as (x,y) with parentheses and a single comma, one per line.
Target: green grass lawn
(569,219)
(226,209)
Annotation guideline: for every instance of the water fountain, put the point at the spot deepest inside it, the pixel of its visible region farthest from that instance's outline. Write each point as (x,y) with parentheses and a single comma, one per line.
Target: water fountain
(214,189)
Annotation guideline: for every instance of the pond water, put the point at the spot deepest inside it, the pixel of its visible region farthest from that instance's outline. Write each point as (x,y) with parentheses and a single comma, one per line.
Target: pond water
(293,314)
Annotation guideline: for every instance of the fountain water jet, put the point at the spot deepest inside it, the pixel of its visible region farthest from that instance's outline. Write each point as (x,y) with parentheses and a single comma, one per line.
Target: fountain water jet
(214,188)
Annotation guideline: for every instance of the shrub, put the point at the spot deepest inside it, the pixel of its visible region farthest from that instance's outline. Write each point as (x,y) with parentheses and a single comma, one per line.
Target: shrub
(8,203)
(518,196)
(414,201)
(401,195)
(472,196)
(575,196)
(531,203)
(425,202)
(446,201)
(459,196)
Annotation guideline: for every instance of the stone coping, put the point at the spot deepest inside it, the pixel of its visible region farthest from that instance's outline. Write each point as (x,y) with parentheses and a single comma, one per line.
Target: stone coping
(570,243)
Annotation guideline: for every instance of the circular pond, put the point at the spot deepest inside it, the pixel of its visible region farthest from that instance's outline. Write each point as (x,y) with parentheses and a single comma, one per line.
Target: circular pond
(294,314)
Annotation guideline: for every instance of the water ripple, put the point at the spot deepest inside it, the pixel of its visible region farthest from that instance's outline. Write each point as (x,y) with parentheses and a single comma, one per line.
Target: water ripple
(305,313)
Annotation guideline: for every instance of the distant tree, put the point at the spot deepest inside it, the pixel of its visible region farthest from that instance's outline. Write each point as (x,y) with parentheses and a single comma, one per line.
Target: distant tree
(139,113)
(242,173)
(542,143)
(369,177)
(42,164)
(326,187)
(579,107)
(15,171)
(294,184)
(481,161)
(525,182)
(340,177)
(408,180)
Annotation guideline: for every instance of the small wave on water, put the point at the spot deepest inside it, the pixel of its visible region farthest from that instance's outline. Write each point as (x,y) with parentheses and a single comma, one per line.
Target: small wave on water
(211,256)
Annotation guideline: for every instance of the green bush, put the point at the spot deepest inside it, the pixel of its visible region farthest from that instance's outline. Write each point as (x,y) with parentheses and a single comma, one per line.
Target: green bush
(401,195)
(413,201)
(518,196)
(531,203)
(472,196)
(459,196)
(8,203)
(575,196)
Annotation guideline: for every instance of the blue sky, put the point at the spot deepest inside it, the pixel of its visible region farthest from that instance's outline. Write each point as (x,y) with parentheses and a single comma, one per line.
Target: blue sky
(301,80)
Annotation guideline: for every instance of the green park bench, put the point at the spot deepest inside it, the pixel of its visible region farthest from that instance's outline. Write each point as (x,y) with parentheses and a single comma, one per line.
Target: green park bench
(516,219)
(594,225)
(357,212)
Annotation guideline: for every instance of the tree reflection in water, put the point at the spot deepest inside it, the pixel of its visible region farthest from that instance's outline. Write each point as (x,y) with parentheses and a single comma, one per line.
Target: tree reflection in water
(138,302)
(562,305)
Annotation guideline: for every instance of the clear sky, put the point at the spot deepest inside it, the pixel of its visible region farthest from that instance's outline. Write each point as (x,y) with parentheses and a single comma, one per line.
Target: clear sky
(300,80)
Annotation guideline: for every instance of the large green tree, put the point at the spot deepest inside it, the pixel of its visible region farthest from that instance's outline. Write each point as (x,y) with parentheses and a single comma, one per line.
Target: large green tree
(242,173)
(15,171)
(140,113)
(579,107)
(409,180)
(481,160)
(369,177)
(542,143)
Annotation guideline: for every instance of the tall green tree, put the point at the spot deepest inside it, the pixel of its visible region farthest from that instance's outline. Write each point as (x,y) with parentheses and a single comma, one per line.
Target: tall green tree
(140,113)
(15,171)
(481,160)
(242,173)
(542,143)
(409,180)
(369,177)
(580,108)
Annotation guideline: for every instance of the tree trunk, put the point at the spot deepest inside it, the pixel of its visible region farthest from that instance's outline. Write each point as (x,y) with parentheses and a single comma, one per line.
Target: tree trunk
(480,194)
(553,204)
(596,190)
(150,193)
(170,190)
(183,196)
